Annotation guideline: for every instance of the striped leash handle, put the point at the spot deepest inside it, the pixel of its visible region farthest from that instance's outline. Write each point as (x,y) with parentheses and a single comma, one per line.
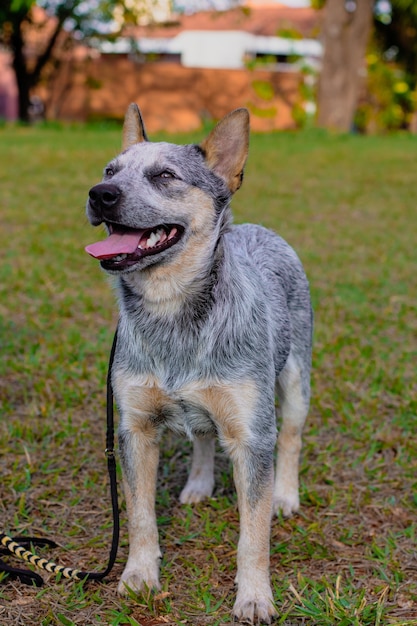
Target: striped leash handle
(41,563)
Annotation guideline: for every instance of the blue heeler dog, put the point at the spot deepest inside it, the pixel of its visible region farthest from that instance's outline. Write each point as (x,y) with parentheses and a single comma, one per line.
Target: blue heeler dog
(214,320)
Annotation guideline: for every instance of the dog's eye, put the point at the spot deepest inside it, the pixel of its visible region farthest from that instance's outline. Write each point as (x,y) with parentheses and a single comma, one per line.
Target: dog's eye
(166,174)
(109,171)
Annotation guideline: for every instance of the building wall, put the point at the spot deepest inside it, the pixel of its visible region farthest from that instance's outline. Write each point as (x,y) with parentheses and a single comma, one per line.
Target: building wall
(171,97)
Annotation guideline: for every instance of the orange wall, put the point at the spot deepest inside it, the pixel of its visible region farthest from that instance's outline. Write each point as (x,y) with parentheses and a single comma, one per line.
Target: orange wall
(171,97)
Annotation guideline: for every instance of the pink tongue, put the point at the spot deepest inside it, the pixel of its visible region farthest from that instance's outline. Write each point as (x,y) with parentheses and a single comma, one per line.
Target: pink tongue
(125,242)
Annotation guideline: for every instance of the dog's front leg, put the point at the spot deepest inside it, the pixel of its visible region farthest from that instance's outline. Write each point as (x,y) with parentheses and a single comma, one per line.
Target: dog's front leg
(253,474)
(139,453)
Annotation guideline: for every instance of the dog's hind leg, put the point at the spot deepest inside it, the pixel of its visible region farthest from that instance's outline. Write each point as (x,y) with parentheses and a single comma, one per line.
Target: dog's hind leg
(200,482)
(293,391)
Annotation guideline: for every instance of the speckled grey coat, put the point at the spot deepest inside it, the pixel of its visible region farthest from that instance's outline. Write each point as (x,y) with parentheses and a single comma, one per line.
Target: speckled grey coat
(214,320)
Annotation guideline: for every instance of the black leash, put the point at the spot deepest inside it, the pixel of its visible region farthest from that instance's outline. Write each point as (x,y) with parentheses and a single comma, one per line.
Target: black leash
(18,545)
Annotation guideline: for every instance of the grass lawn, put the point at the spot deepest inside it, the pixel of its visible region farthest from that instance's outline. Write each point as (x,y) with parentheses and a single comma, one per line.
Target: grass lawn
(348,206)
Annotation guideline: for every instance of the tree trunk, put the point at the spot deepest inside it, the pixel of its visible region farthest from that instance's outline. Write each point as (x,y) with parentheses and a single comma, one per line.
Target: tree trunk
(26,79)
(345,34)
(22,77)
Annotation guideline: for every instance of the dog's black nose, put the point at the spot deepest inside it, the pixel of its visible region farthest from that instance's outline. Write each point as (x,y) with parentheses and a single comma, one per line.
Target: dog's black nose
(104,195)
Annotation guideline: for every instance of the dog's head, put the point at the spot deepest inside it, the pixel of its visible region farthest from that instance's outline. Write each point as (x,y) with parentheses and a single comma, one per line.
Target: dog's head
(155,197)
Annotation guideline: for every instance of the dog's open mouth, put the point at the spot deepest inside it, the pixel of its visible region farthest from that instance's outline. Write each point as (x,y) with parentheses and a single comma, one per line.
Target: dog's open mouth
(124,246)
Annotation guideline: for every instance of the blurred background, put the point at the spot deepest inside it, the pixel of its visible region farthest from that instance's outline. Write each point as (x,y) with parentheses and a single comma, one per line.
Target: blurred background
(340,64)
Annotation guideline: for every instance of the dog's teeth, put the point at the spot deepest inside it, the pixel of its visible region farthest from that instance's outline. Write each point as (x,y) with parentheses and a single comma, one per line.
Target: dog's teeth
(119,257)
(155,238)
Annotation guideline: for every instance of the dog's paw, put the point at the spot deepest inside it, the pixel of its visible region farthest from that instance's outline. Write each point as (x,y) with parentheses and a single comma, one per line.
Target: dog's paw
(258,610)
(196,490)
(287,504)
(137,581)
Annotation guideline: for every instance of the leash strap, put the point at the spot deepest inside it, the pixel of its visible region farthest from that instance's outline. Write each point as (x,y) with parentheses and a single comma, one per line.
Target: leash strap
(18,546)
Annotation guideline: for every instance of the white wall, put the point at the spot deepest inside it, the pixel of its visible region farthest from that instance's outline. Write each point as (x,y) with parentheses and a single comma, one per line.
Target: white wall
(221,49)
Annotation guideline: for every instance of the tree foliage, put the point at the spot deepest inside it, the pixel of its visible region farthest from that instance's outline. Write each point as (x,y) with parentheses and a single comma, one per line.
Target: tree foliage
(397,36)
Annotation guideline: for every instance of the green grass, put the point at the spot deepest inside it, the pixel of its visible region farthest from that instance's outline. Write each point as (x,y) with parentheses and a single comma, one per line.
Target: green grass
(348,206)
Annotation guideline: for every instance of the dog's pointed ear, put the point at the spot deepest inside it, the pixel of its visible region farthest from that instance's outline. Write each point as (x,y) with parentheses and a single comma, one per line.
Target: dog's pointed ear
(226,148)
(133,127)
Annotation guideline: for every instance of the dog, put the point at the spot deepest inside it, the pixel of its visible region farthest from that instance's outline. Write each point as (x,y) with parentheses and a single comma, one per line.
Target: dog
(215,319)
